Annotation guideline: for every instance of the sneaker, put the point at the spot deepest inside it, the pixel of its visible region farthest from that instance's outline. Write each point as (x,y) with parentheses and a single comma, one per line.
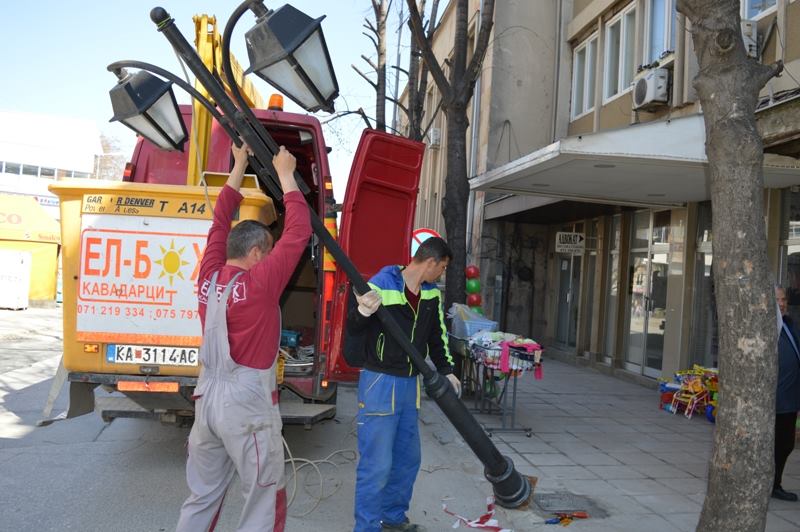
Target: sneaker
(404,527)
(777,493)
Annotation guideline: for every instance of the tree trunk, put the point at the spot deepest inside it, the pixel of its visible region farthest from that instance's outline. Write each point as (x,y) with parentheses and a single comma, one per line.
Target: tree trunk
(454,203)
(741,469)
(380,91)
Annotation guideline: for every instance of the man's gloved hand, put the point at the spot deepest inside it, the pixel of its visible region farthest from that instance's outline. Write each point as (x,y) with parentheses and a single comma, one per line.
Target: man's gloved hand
(456,384)
(368,303)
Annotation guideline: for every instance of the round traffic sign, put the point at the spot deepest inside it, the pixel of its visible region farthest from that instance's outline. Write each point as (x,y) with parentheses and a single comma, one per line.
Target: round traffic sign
(419,236)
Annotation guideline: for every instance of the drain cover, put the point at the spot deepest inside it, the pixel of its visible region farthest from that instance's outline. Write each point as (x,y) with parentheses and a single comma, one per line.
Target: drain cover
(564,501)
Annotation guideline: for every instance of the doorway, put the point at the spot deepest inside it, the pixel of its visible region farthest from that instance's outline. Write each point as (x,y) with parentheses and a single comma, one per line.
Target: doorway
(647,292)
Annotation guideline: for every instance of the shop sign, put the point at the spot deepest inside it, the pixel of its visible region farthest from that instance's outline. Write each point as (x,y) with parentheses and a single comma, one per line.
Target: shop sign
(570,243)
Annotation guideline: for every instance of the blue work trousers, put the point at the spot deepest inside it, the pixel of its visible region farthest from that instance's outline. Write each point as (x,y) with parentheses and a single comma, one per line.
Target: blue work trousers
(388,447)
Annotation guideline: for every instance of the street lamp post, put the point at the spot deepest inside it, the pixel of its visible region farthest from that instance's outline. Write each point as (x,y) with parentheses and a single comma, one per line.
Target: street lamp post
(511,489)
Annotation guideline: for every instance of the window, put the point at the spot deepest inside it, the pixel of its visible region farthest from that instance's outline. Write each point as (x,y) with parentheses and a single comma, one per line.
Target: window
(80,174)
(584,63)
(661,22)
(620,44)
(48,172)
(28,169)
(753,8)
(13,168)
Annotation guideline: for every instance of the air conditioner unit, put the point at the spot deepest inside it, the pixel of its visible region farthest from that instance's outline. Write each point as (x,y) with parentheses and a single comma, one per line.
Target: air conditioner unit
(651,90)
(434,138)
(750,37)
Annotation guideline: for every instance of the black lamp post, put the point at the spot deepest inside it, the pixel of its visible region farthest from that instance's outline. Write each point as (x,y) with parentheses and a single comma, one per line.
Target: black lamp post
(287,49)
(511,489)
(146,104)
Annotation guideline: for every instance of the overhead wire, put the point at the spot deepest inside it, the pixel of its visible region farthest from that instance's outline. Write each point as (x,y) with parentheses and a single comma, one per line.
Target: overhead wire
(783,46)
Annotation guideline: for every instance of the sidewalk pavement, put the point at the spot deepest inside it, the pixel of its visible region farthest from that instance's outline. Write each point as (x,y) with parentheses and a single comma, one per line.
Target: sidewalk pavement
(601,444)
(598,444)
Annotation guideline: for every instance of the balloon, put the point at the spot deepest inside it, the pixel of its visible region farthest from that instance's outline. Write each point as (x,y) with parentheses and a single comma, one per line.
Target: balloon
(472,272)
(474,300)
(473,286)
(479,310)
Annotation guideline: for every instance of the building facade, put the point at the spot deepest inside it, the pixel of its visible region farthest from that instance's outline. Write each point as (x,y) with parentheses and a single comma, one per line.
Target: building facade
(592,219)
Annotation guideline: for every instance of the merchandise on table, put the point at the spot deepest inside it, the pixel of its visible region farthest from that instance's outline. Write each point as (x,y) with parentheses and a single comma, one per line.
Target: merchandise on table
(506,352)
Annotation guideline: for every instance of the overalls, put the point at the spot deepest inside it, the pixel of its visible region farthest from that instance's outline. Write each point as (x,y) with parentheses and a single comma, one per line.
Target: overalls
(237,428)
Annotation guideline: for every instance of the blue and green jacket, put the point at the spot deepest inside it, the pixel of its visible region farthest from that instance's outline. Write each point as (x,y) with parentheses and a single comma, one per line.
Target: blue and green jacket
(425,328)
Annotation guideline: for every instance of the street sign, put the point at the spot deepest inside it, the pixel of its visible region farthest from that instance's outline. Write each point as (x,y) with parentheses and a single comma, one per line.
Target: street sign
(419,236)
(570,243)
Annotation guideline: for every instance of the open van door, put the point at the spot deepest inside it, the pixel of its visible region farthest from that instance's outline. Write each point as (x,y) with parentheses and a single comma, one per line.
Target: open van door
(376,224)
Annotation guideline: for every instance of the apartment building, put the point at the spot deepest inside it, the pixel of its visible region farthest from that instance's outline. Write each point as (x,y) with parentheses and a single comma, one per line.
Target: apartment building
(592,219)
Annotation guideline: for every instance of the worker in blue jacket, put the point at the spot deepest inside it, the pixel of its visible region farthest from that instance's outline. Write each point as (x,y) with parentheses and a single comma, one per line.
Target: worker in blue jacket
(389,387)
(787,395)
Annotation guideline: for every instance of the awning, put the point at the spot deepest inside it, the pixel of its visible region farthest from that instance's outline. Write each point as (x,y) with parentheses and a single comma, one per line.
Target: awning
(22,218)
(656,163)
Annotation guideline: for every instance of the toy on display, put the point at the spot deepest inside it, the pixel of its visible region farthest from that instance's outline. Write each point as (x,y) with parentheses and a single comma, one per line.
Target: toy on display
(693,390)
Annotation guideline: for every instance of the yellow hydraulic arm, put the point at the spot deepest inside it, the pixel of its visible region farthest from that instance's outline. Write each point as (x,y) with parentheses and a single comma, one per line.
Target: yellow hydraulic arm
(208,43)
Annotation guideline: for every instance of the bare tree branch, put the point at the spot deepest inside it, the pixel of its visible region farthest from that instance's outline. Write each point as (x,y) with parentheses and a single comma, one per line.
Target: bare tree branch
(369,62)
(418,33)
(487,21)
(398,104)
(400,69)
(374,85)
(433,117)
(374,42)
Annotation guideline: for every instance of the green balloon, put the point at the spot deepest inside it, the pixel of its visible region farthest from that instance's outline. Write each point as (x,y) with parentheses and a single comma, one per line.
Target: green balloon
(473,286)
(479,310)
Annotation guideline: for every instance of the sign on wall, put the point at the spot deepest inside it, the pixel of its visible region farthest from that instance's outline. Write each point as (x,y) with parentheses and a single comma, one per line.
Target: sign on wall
(570,243)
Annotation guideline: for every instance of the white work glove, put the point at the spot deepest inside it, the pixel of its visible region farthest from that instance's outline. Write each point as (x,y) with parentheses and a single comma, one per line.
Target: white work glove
(456,384)
(368,303)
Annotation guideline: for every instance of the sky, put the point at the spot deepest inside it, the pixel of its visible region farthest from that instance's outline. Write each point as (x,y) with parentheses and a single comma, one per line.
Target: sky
(55,53)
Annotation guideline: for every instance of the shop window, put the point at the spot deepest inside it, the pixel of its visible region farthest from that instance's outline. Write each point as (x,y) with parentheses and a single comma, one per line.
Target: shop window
(584,69)
(620,45)
(660,31)
(704,336)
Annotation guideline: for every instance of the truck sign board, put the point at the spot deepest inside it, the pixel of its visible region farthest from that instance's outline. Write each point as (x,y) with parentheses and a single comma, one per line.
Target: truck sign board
(570,243)
(137,282)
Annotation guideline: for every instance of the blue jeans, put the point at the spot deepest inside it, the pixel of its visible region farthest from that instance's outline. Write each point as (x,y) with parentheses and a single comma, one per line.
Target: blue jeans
(389,449)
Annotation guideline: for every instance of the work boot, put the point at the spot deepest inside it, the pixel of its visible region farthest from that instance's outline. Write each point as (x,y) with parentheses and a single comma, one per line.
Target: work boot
(404,527)
(778,493)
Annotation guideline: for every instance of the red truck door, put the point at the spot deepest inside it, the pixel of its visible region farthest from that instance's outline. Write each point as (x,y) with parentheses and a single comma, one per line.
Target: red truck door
(376,224)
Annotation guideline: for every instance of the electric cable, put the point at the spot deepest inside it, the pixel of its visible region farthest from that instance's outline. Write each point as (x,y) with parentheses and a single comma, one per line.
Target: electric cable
(315,465)
(783,45)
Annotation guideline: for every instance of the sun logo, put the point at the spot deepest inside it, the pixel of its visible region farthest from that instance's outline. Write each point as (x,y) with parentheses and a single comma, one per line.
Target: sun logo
(171,262)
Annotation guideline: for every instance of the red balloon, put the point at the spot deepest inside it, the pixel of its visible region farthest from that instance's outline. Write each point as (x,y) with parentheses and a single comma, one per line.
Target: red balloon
(474,300)
(472,272)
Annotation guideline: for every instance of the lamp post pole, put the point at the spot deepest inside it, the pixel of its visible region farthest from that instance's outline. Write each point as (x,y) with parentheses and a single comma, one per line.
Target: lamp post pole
(511,489)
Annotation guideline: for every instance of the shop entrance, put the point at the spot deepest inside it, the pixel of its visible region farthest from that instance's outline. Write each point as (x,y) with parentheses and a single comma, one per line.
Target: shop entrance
(647,292)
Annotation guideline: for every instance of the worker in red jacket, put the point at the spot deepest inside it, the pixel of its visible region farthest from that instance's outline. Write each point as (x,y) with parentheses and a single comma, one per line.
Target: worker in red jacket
(237,426)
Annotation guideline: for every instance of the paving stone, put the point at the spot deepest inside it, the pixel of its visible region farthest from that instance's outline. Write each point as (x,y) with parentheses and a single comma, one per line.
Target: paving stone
(641,486)
(566,472)
(614,472)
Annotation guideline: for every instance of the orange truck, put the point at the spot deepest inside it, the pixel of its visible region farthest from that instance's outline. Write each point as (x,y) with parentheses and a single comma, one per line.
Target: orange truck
(131,252)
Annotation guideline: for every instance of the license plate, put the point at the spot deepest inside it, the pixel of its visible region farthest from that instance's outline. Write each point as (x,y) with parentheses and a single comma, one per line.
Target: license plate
(144,354)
